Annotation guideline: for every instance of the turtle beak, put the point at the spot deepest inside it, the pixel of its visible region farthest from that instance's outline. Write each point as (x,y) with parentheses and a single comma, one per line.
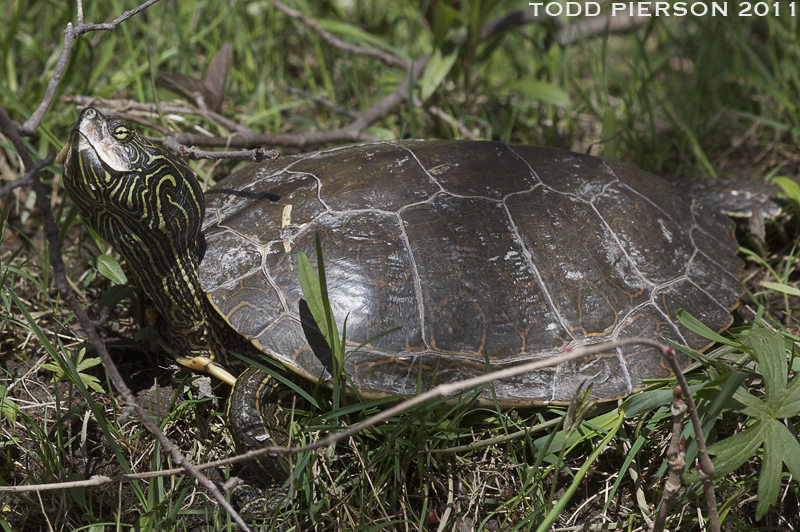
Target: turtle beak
(91,133)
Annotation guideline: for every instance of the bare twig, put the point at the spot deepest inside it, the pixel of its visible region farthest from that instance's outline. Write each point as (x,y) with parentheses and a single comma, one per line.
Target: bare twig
(675,459)
(117,106)
(70,33)
(706,467)
(585,28)
(442,390)
(258,154)
(590,27)
(27,179)
(336,42)
(508,21)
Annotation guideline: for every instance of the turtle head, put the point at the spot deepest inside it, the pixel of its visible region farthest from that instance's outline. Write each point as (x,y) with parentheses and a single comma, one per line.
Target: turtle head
(97,141)
(133,193)
(147,203)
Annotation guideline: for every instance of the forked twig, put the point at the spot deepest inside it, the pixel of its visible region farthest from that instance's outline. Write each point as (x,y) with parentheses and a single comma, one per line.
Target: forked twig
(675,460)
(70,33)
(706,469)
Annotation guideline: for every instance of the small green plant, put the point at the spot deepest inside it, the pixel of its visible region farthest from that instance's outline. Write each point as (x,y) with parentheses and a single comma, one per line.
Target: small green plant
(82,363)
(767,431)
(8,408)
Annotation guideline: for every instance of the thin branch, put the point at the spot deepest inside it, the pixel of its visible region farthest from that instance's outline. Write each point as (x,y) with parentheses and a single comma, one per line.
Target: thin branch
(585,28)
(258,154)
(508,21)
(706,467)
(27,179)
(109,26)
(30,125)
(336,42)
(675,458)
(591,27)
(70,33)
(442,390)
(115,106)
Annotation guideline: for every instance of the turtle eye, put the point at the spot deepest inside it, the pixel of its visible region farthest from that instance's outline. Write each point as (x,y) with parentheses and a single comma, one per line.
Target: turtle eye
(122,133)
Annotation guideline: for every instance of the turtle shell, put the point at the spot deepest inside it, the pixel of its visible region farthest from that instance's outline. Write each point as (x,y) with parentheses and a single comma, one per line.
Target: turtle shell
(487,255)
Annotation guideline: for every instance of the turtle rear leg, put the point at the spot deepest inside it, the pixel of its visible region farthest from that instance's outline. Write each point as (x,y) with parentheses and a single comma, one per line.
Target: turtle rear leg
(256,420)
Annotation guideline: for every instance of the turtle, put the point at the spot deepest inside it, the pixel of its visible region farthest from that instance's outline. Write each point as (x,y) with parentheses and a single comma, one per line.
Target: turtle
(485,255)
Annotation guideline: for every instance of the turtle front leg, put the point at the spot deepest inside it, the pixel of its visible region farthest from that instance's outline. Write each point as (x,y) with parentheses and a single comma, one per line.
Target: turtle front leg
(256,420)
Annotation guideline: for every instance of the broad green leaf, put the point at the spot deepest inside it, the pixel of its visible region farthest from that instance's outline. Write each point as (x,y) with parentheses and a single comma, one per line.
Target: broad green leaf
(86,363)
(768,432)
(753,406)
(316,295)
(114,295)
(110,268)
(533,90)
(734,451)
(333,340)
(790,449)
(769,479)
(439,66)
(770,351)
(790,403)
(779,447)
(80,363)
